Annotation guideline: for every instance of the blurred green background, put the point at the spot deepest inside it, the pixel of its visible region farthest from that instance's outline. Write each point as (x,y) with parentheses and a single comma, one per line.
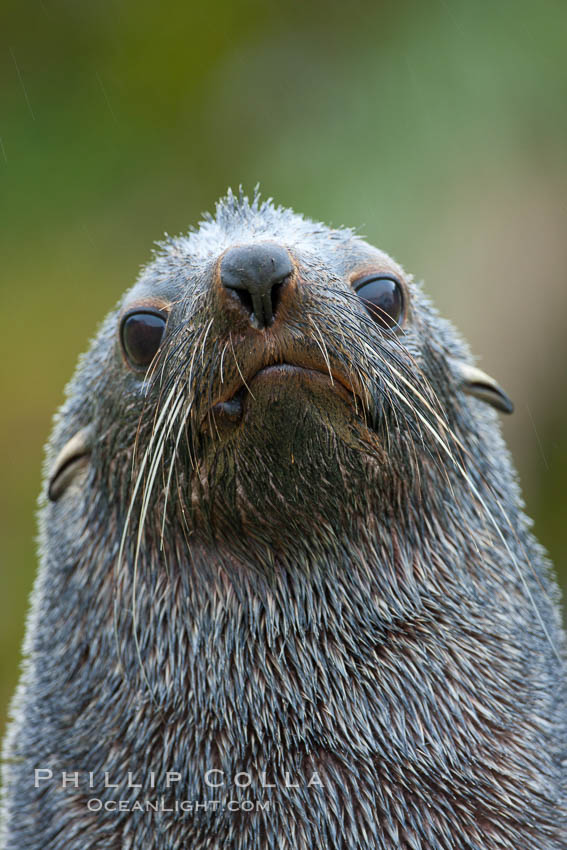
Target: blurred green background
(439,129)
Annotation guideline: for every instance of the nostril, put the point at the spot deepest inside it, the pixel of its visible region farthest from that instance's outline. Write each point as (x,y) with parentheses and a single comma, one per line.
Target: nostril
(276,293)
(244,297)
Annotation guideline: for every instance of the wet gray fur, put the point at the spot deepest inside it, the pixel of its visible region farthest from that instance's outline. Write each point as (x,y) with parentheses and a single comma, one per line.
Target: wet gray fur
(350,592)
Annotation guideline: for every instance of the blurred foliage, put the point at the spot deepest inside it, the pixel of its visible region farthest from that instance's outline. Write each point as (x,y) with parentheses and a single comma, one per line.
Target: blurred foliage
(438,129)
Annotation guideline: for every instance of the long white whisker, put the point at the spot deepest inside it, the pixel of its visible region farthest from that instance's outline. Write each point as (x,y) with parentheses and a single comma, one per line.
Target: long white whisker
(323,348)
(489,515)
(239,369)
(158,454)
(171,468)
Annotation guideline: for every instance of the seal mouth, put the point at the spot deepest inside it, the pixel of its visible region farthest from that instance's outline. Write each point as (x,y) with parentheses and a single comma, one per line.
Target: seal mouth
(279,373)
(228,409)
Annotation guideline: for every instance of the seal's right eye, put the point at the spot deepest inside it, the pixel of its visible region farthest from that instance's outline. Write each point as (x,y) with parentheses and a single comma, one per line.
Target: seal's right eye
(141,333)
(383,297)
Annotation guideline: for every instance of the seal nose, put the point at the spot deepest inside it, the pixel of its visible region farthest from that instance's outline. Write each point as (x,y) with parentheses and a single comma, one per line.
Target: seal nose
(256,275)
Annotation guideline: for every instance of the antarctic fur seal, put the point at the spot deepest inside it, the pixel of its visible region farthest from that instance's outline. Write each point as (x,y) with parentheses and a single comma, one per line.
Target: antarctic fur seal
(288,596)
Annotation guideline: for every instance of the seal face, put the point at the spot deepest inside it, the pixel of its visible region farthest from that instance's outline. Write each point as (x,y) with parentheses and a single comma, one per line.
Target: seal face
(287,596)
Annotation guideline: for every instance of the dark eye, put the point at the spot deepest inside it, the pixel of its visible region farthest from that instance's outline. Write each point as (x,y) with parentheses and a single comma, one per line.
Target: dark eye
(383,297)
(141,334)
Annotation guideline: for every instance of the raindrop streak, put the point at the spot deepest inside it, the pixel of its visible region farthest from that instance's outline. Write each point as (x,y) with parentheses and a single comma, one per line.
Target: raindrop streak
(110,109)
(22,83)
(537,437)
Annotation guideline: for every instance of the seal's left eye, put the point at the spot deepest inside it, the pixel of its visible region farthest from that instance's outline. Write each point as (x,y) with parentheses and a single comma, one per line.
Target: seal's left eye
(141,334)
(383,297)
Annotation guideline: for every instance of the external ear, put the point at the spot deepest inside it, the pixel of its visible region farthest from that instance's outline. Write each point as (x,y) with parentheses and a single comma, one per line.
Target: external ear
(477,383)
(72,459)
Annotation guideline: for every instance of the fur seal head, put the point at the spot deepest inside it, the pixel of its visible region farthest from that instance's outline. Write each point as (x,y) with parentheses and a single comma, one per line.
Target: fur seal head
(259,358)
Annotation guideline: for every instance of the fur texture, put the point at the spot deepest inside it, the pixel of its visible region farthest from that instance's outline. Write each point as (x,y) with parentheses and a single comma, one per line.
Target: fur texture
(339,596)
